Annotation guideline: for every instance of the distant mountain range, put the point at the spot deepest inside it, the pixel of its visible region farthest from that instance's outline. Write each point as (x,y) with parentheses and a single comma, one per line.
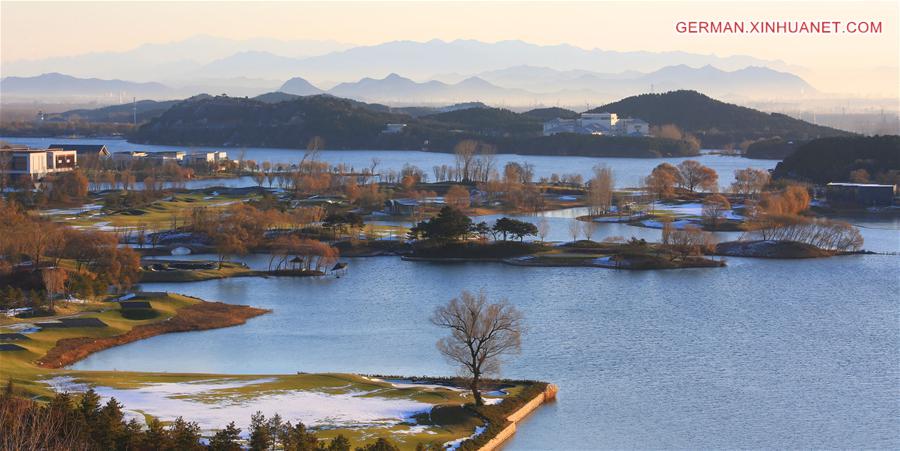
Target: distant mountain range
(179,61)
(524,85)
(325,62)
(514,86)
(56,84)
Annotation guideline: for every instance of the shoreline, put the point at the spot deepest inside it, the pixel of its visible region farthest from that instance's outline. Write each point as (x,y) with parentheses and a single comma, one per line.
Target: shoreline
(205,315)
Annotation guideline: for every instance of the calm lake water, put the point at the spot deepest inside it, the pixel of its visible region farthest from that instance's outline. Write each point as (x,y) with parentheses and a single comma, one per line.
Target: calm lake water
(760,354)
(628,171)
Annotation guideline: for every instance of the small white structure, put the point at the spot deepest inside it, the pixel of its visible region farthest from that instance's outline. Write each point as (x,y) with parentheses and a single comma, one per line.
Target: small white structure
(126,157)
(169,155)
(393,128)
(211,158)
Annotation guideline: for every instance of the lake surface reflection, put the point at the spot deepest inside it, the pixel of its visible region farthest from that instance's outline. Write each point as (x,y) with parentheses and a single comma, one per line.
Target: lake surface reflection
(760,354)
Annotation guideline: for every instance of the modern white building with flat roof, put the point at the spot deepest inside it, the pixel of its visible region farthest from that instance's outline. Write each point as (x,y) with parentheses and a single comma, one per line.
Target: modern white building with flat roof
(36,163)
(598,124)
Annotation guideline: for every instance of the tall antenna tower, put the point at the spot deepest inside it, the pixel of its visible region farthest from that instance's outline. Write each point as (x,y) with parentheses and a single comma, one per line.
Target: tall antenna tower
(134,111)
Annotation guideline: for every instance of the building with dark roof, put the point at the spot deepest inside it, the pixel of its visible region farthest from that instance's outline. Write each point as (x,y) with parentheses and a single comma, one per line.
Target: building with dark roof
(860,194)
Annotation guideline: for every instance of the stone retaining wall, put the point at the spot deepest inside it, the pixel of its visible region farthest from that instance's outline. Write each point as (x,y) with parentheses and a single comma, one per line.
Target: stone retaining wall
(513,418)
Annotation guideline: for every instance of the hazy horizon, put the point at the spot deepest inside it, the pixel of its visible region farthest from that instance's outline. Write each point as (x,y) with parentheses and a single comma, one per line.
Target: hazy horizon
(863,65)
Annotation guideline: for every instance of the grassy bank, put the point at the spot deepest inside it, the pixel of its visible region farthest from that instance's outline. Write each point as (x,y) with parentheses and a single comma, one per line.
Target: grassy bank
(52,348)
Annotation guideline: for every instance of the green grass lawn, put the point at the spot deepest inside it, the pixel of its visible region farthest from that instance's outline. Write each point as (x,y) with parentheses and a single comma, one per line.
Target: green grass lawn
(447,421)
(19,366)
(156,215)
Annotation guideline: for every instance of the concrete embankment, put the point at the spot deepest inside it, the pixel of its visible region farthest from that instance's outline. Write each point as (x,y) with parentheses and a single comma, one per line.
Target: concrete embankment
(548,394)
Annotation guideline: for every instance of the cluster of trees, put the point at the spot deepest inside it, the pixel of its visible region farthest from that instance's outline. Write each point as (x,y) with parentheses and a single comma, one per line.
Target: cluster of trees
(715,206)
(451,224)
(314,255)
(779,216)
(819,232)
(62,128)
(106,174)
(749,182)
(85,424)
(61,188)
(600,190)
(687,241)
(99,261)
(793,200)
(840,159)
(689,175)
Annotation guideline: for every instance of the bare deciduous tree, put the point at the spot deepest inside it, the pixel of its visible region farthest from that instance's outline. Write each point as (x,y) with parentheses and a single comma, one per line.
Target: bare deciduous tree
(600,193)
(543,227)
(574,229)
(481,333)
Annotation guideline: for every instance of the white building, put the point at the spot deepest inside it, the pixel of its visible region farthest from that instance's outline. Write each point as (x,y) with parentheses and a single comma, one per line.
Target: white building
(36,163)
(633,127)
(597,124)
(127,157)
(169,155)
(217,157)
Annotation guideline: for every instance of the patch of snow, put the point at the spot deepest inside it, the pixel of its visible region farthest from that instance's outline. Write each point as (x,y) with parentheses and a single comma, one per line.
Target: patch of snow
(170,400)
(181,250)
(72,211)
(452,445)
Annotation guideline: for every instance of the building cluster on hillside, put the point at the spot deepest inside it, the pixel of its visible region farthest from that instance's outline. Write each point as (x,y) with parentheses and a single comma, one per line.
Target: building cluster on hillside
(22,161)
(598,124)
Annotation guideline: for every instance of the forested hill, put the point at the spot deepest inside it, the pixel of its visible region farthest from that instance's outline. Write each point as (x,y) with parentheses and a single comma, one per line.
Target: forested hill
(348,124)
(833,159)
(230,121)
(715,123)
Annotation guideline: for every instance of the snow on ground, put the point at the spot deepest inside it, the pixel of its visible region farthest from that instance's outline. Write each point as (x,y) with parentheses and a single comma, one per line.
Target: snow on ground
(72,211)
(24,328)
(696,209)
(452,445)
(170,400)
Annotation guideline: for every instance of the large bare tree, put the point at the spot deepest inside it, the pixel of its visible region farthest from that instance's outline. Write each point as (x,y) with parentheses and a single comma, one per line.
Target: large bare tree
(481,333)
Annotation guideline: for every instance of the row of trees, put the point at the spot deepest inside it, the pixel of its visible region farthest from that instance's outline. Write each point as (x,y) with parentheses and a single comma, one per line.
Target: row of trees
(451,224)
(67,424)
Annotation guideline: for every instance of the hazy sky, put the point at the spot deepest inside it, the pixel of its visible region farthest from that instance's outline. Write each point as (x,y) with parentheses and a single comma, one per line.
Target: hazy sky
(33,30)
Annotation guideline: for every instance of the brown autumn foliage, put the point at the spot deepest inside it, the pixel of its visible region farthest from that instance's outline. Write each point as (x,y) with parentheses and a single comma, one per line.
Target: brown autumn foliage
(662,180)
(315,255)
(819,232)
(749,181)
(793,200)
(457,196)
(94,252)
(694,175)
(690,240)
